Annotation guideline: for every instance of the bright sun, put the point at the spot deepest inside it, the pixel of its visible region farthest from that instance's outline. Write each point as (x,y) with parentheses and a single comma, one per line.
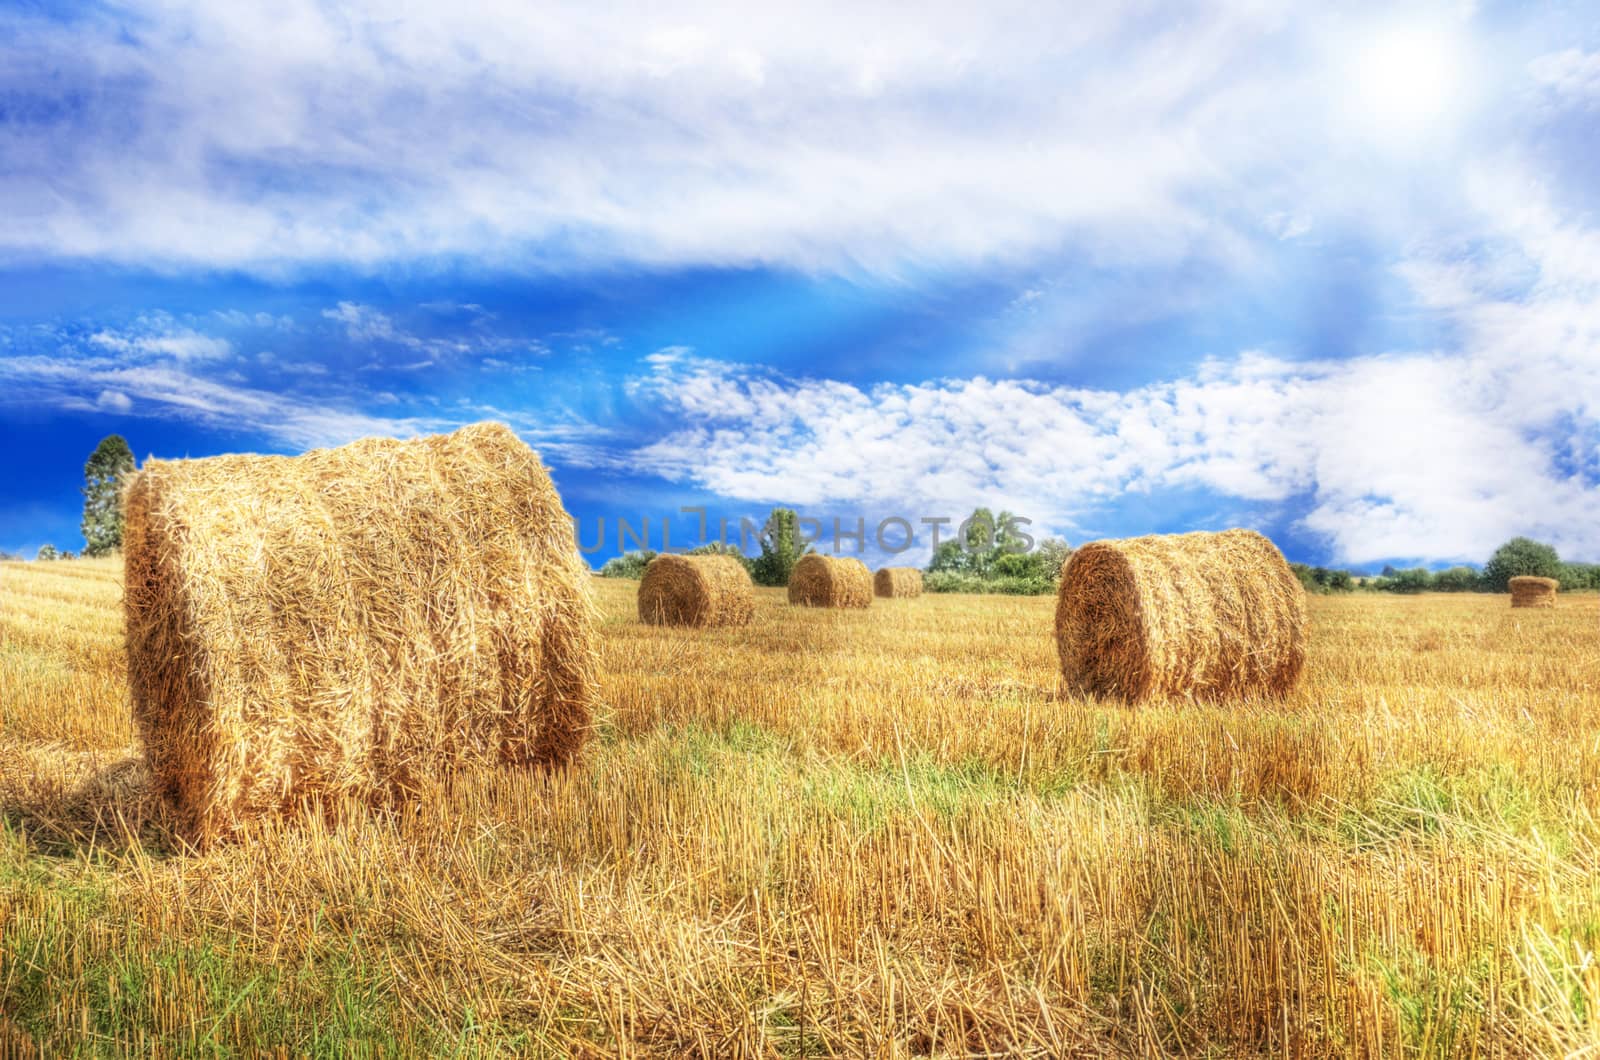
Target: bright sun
(1408,79)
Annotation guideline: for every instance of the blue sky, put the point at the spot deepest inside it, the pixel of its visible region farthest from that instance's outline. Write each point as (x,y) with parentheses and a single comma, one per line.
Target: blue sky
(1333,274)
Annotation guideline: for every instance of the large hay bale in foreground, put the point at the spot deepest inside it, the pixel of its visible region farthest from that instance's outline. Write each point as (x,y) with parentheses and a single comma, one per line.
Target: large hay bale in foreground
(696,591)
(1203,616)
(351,622)
(1530,591)
(898,581)
(830,581)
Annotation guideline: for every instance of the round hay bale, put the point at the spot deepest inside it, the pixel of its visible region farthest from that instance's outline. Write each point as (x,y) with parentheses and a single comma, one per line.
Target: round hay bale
(351,622)
(696,591)
(898,581)
(1202,616)
(830,581)
(1529,591)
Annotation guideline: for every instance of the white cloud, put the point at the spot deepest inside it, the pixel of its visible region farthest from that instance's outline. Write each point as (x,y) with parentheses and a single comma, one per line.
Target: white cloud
(855,137)
(168,386)
(495,364)
(114,401)
(111,372)
(365,325)
(240,319)
(1572,74)
(183,344)
(1423,455)
(1433,454)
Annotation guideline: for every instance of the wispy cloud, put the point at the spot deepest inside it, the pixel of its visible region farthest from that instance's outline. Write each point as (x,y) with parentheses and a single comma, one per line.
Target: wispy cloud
(364,324)
(158,368)
(575,133)
(1358,443)
(1571,73)
(183,344)
(172,390)
(1427,454)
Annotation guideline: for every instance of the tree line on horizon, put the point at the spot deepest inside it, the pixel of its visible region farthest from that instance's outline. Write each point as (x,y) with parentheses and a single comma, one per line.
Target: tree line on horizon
(991,559)
(988,555)
(1517,557)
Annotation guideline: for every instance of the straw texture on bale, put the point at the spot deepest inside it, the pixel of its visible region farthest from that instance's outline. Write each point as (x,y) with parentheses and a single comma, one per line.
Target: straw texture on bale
(1529,591)
(696,591)
(1202,616)
(898,581)
(830,581)
(351,622)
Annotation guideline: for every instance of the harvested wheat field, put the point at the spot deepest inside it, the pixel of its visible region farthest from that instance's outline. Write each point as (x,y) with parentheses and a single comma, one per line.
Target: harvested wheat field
(353,622)
(830,581)
(1529,591)
(897,582)
(841,832)
(696,591)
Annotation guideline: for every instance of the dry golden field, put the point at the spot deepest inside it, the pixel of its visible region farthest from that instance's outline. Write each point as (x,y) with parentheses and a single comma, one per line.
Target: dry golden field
(879,832)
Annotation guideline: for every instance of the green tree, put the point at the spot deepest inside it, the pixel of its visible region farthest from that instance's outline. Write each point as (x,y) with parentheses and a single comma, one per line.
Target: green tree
(47,553)
(995,554)
(628,565)
(980,530)
(103,475)
(979,534)
(1520,555)
(1053,554)
(1016,565)
(1010,535)
(781,548)
(1415,580)
(1579,576)
(1456,580)
(948,557)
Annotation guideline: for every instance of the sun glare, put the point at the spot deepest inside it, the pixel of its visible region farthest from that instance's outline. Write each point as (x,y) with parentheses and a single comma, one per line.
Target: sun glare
(1407,79)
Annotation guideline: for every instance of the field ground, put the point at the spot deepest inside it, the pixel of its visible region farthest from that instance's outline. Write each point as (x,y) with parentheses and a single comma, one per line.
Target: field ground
(881,833)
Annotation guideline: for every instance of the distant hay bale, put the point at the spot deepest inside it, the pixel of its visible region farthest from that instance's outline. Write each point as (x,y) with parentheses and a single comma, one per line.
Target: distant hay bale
(1203,616)
(1529,591)
(898,581)
(830,581)
(351,622)
(696,591)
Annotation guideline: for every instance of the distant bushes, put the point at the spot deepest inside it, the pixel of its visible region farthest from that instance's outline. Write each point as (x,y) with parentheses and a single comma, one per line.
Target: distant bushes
(1519,556)
(1414,580)
(1457,580)
(628,565)
(1579,576)
(1323,580)
(949,581)
(632,564)
(992,555)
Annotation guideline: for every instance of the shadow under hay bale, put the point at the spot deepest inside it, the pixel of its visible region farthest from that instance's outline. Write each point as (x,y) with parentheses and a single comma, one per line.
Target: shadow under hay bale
(830,581)
(66,801)
(1530,591)
(351,623)
(1205,616)
(696,591)
(898,582)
